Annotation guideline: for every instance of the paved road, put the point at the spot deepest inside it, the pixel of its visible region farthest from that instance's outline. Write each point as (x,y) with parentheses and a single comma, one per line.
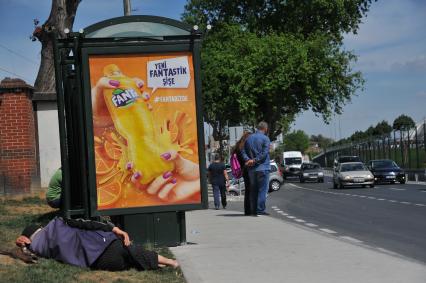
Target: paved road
(388,217)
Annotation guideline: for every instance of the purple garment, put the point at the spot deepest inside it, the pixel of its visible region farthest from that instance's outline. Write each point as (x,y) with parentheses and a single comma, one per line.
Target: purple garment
(70,245)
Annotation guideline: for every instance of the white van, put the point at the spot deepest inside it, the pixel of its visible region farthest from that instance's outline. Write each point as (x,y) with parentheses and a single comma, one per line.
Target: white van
(292,162)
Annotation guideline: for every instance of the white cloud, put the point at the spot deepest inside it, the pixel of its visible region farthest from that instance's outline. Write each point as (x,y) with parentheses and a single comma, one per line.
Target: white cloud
(417,64)
(391,36)
(421,94)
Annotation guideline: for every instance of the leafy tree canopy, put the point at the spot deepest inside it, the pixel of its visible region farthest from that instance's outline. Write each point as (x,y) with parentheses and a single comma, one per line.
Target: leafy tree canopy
(296,140)
(273,77)
(403,122)
(270,59)
(323,142)
(382,128)
(302,18)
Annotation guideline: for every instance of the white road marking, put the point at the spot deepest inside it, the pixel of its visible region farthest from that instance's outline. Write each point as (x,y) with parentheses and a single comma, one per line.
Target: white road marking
(278,211)
(311,225)
(351,239)
(273,207)
(328,231)
(353,195)
(291,217)
(300,220)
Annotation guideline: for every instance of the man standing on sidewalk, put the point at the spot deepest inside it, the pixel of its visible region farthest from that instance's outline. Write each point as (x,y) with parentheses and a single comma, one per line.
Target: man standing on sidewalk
(219,180)
(256,156)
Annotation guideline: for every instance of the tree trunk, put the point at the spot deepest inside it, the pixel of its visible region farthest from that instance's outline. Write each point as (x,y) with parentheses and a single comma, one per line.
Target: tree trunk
(218,134)
(62,15)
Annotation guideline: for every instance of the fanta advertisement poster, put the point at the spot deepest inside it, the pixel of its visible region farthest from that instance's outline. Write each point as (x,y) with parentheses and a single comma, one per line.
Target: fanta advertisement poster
(145,130)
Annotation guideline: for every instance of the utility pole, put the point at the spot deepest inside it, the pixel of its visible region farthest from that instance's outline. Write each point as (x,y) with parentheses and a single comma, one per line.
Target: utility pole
(127,7)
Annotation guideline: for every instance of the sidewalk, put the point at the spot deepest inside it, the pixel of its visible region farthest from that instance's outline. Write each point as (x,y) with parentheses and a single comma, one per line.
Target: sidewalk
(224,246)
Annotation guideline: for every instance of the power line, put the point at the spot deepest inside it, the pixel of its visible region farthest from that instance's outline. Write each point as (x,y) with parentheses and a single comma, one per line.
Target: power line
(12,73)
(19,55)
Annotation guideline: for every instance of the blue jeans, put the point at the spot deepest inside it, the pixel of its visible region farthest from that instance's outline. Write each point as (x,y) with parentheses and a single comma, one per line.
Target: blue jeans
(258,189)
(219,193)
(263,191)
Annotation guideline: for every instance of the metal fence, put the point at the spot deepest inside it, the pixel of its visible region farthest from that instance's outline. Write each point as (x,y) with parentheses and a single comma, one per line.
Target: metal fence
(406,147)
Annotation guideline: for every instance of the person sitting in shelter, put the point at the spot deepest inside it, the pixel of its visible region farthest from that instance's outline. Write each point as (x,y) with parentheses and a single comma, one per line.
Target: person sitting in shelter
(54,190)
(88,243)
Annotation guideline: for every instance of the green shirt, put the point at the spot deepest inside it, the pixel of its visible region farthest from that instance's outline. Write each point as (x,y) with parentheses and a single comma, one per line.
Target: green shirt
(55,186)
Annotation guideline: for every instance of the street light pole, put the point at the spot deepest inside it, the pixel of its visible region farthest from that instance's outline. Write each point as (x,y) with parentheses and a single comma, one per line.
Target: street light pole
(127,7)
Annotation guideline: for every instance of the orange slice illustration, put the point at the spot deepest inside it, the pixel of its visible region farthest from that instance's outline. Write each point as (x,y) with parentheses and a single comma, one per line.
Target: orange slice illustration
(112,151)
(109,193)
(103,164)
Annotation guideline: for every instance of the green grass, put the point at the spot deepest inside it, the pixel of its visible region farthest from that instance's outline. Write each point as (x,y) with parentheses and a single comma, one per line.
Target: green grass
(15,215)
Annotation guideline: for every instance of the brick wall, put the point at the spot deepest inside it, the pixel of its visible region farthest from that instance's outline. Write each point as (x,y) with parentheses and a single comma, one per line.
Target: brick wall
(17,136)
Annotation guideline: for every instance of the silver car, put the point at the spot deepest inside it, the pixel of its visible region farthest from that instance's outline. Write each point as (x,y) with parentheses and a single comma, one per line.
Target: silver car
(352,174)
(275,177)
(275,181)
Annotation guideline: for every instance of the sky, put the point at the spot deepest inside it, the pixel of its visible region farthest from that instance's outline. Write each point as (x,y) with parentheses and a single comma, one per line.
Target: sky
(390,44)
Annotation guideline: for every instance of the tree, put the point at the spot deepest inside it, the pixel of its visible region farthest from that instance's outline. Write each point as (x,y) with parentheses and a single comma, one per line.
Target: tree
(219,76)
(382,128)
(275,77)
(281,58)
(61,16)
(403,122)
(323,142)
(358,136)
(329,17)
(296,140)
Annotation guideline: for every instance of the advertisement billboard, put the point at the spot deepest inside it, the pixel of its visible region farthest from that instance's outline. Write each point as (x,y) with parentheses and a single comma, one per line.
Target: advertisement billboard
(145,137)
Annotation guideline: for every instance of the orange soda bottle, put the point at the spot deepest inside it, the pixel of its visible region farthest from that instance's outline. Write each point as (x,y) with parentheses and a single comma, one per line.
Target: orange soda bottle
(135,122)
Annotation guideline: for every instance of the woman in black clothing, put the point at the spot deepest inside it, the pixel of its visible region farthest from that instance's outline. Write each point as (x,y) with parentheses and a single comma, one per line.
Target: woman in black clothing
(219,180)
(237,150)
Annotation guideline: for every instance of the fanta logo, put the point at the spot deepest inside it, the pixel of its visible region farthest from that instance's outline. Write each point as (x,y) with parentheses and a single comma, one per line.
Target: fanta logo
(123,97)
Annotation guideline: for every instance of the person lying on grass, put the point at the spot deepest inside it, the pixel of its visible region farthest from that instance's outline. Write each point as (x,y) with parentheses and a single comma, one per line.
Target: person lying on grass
(88,243)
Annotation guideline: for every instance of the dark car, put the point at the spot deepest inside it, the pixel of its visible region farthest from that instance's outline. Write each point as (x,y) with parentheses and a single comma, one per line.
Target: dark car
(345,159)
(386,170)
(311,172)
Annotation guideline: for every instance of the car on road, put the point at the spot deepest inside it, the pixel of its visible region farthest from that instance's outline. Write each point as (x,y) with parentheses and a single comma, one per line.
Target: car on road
(291,163)
(311,171)
(386,170)
(352,174)
(345,159)
(275,177)
(275,181)
(236,187)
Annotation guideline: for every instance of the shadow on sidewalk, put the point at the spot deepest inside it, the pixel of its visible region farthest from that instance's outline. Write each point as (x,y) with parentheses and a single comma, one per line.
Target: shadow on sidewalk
(232,215)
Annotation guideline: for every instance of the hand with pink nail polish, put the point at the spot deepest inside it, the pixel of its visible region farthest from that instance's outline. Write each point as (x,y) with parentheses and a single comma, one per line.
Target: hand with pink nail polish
(101,115)
(182,183)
